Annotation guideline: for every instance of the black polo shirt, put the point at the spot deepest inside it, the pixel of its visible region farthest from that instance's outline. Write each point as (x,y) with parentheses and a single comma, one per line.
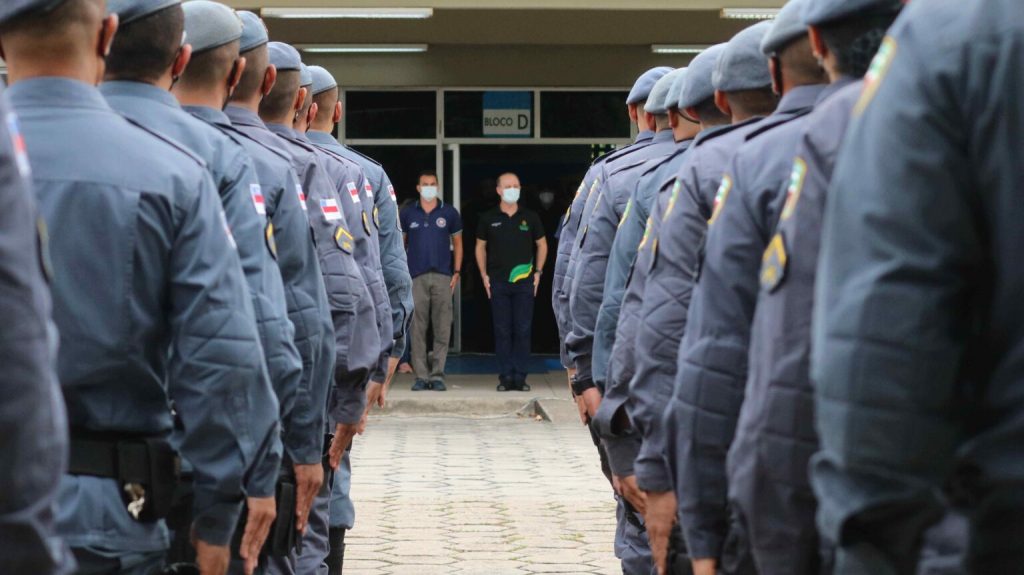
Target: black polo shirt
(511,243)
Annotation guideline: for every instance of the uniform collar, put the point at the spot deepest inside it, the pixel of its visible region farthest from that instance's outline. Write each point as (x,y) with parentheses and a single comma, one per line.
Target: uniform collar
(56,92)
(644,136)
(209,115)
(799,98)
(662,137)
(834,87)
(130,89)
(243,116)
(322,138)
(283,130)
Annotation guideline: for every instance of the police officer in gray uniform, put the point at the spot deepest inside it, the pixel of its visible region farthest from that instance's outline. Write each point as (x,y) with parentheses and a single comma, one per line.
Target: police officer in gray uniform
(918,313)
(296,256)
(573,219)
(178,324)
(326,94)
(137,80)
(711,368)
(365,217)
(33,422)
(768,462)
(289,239)
(357,347)
(741,89)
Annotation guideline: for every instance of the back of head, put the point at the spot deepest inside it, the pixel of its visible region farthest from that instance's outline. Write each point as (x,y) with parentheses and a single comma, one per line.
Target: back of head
(787,41)
(252,47)
(49,32)
(852,30)
(325,95)
(697,90)
(215,33)
(145,48)
(277,106)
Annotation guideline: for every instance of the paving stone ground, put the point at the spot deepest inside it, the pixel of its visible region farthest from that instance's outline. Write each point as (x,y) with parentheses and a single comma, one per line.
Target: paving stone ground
(478,496)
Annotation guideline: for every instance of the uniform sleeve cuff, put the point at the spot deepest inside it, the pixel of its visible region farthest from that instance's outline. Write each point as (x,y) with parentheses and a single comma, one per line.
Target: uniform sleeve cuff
(622,452)
(262,481)
(348,405)
(214,518)
(652,474)
(702,545)
(305,447)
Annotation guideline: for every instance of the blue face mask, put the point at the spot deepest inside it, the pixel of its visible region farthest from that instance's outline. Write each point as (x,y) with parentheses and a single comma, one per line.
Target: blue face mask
(428,192)
(510,195)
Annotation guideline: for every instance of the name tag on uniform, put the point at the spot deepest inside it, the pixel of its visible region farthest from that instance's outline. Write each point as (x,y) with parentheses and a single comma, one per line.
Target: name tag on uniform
(368,189)
(353,191)
(302,197)
(257,199)
(329,208)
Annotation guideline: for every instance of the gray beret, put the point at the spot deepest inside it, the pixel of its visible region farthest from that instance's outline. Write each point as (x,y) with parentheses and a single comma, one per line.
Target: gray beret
(322,80)
(131,10)
(823,11)
(210,25)
(787,27)
(284,57)
(656,100)
(305,76)
(672,99)
(698,86)
(11,9)
(642,88)
(254,31)
(742,65)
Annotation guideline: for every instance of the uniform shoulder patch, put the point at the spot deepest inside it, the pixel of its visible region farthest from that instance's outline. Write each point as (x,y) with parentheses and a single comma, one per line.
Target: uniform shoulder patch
(353,191)
(268,234)
(876,73)
(720,196)
(330,210)
(343,239)
(258,202)
(774,263)
(796,185)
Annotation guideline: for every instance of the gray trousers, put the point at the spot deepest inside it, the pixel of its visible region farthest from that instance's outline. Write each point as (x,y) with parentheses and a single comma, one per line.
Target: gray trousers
(432,302)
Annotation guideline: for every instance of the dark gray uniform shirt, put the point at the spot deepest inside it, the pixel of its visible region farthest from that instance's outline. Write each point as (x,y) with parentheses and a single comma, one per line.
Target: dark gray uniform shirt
(292,247)
(33,424)
(918,338)
(245,208)
(711,370)
(151,305)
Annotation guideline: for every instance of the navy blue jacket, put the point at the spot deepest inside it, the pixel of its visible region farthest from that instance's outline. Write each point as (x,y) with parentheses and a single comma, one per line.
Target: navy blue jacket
(918,334)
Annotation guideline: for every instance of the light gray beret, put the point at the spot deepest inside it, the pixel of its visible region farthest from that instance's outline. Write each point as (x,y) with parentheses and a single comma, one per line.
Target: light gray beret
(210,25)
(645,83)
(284,57)
(742,65)
(131,10)
(820,12)
(788,26)
(659,95)
(254,31)
(322,80)
(698,86)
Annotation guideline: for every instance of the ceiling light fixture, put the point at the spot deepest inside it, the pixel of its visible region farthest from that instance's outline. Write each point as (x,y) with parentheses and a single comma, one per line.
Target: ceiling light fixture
(678,48)
(362,48)
(360,13)
(749,13)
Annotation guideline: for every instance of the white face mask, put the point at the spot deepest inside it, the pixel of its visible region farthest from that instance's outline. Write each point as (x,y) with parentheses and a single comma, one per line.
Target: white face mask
(510,195)
(428,192)
(546,199)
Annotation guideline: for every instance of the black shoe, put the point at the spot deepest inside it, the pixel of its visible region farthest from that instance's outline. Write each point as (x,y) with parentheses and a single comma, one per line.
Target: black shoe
(420,385)
(523,386)
(438,385)
(505,386)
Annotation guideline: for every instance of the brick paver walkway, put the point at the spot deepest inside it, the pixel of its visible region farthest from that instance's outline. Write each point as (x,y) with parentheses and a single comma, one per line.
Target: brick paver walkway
(499,496)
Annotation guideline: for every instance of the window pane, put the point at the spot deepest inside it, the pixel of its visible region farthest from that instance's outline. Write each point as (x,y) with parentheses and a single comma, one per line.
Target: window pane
(491,114)
(584,115)
(403,165)
(390,115)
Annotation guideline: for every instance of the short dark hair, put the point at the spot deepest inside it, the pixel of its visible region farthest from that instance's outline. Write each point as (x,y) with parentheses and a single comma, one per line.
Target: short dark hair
(756,102)
(282,96)
(855,41)
(211,67)
(799,64)
(144,49)
(325,102)
(427,174)
(256,62)
(709,114)
(50,22)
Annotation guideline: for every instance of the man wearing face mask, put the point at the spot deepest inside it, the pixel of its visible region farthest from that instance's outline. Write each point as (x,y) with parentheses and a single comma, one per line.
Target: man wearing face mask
(505,240)
(433,233)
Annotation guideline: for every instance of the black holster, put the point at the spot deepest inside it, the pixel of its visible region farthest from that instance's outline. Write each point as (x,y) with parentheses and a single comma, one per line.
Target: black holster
(282,537)
(328,470)
(145,467)
(678,557)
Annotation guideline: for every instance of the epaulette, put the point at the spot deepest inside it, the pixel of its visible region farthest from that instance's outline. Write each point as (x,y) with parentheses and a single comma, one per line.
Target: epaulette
(778,120)
(364,156)
(169,141)
(279,153)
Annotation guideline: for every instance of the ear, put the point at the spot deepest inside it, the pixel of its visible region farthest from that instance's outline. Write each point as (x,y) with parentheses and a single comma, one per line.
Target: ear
(311,114)
(107,32)
(181,61)
(300,98)
(691,114)
(722,102)
(236,75)
(674,118)
(337,112)
(818,46)
(651,121)
(773,68)
(269,79)
(633,113)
